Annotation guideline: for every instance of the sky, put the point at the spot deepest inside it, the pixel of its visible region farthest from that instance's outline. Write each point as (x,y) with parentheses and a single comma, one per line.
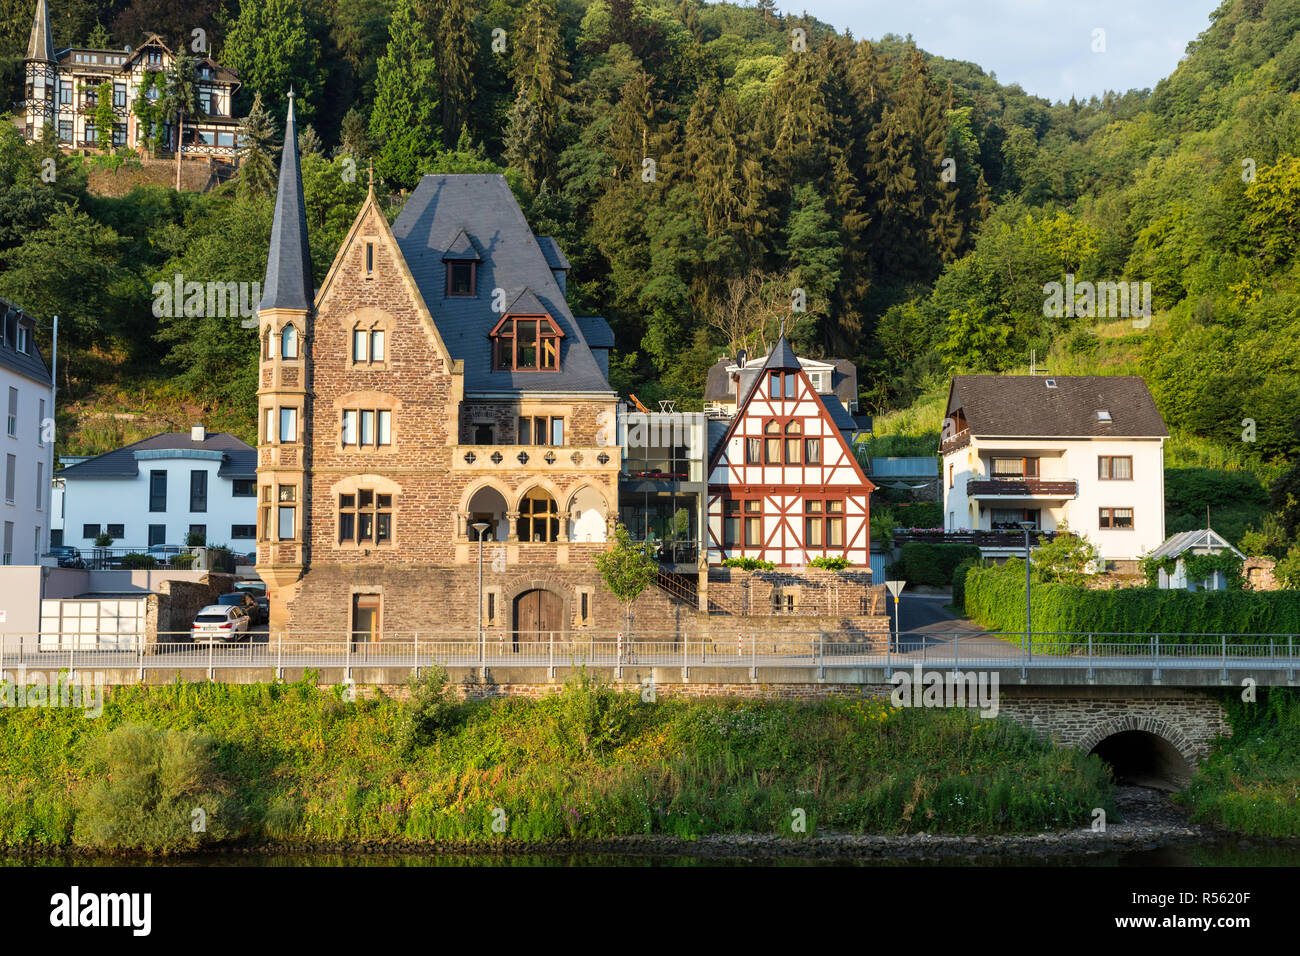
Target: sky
(1044,45)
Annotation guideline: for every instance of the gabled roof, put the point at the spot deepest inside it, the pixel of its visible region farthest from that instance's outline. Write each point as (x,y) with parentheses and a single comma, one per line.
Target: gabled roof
(40,45)
(482,206)
(526,304)
(1202,541)
(1056,406)
(288,282)
(238,459)
(27,364)
(462,248)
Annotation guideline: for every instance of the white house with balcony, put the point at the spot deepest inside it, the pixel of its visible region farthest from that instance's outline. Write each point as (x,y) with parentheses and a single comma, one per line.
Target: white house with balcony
(1083,452)
(159,490)
(27,394)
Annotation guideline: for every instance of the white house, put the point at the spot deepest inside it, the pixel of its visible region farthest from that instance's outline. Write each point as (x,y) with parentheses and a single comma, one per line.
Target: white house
(160,489)
(27,391)
(1079,451)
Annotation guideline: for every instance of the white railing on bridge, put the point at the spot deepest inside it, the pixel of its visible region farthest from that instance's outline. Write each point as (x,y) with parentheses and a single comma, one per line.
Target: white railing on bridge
(825,650)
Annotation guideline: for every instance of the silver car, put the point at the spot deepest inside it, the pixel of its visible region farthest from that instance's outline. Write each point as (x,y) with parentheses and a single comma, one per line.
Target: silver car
(220,624)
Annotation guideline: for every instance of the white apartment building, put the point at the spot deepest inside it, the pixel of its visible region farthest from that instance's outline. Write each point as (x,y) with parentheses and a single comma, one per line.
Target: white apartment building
(27,394)
(158,490)
(1082,452)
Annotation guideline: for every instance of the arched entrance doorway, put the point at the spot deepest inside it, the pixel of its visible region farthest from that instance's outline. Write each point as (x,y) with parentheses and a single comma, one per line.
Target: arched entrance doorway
(537,614)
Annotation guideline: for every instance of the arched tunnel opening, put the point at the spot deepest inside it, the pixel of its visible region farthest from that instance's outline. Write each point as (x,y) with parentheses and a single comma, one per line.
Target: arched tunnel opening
(1143,759)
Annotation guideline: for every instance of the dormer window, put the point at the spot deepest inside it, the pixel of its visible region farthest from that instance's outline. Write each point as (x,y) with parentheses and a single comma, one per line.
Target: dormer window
(461,277)
(529,344)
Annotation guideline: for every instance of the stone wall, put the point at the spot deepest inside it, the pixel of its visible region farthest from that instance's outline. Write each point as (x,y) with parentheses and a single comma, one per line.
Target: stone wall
(1083,717)
(1259,574)
(173,607)
(441,604)
(810,591)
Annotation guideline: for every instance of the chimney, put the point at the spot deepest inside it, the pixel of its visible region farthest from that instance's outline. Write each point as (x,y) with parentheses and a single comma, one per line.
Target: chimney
(198,433)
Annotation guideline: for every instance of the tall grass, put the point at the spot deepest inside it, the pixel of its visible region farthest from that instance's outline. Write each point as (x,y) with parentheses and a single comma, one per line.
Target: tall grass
(300,765)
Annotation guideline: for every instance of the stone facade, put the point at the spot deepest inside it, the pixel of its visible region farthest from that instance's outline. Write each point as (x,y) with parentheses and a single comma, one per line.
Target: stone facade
(1190,720)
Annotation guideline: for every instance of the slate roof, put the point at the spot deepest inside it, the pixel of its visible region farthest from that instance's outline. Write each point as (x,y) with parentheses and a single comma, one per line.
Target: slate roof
(40,45)
(839,414)
(1025,406)
(239,460)
(483,207)
(555,257)
(1202,540)
(29,365)
(596,331)
(288,282)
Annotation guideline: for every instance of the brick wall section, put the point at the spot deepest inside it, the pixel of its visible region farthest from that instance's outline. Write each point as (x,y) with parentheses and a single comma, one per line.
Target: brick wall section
(1259,574)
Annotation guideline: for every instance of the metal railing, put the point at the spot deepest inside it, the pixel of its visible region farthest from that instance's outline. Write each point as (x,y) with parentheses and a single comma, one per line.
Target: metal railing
(826,651)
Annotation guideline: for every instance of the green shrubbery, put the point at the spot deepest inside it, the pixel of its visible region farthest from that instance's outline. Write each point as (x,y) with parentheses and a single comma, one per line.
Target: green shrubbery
(298,764)
(959,581)
(995,598)
(136,561)
(1251,781)
(932,564)
(828,563)
(154,790)
(749,564)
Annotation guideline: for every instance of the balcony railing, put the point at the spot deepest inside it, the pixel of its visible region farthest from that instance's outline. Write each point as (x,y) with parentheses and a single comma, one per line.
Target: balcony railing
(536,457)
(658,468)
(1021,487)
(981,539)
(953,442)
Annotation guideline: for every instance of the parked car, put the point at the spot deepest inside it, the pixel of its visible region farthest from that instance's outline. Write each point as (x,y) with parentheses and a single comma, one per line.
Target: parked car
(249,603)
(69,557)
(224,623)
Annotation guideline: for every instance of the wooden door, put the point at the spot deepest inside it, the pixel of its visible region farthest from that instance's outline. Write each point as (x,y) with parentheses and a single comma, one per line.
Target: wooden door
(537,613)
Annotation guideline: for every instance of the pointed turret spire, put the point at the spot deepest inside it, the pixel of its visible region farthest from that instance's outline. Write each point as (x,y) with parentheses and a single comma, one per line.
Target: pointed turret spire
(288,263)
(41,44)
(782,356)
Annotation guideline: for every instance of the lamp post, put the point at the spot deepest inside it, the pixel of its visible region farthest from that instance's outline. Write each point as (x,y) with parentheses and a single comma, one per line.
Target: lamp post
(480,527)
(1029,633)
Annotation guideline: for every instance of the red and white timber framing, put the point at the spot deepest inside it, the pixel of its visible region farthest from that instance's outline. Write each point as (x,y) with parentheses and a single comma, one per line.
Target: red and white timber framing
(784,486)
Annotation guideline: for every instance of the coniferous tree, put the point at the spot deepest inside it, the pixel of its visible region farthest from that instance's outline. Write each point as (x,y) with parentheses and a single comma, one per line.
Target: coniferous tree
(455,52)
(404,120)
(541,77)
(272,48)
(257,157)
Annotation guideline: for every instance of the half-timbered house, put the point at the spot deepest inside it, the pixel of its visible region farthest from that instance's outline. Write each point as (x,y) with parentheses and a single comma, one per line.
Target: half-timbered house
(784,485)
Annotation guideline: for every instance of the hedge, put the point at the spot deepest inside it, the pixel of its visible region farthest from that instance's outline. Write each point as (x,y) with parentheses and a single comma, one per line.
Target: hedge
(959,581)
(995,598)
(933,564)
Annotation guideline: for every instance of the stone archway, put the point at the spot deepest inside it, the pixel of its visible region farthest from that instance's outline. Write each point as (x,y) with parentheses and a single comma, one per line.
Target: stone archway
(1143,750)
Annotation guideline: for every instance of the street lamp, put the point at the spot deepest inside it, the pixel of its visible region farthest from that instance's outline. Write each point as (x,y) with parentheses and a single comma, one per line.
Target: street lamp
(1029,633)
(480,527)
(896,589)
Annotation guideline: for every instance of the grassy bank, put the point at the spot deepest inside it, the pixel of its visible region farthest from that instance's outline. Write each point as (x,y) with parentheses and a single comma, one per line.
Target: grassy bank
(296,764)
(1251,781)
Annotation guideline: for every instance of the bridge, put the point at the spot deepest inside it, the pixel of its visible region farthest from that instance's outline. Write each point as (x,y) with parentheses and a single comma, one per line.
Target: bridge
(1149,703)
